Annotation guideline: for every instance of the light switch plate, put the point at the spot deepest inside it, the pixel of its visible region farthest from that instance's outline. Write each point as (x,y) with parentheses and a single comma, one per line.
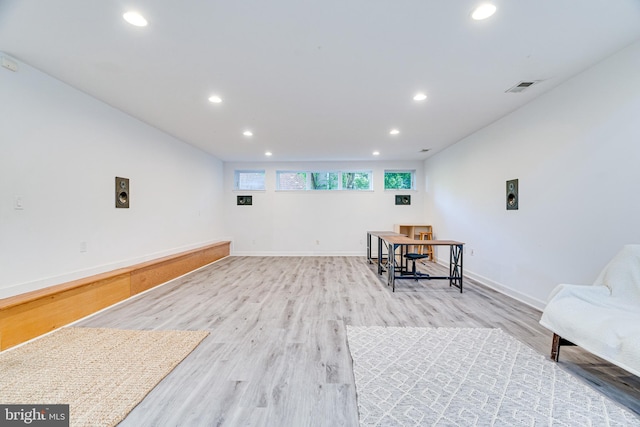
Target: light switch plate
(18,203)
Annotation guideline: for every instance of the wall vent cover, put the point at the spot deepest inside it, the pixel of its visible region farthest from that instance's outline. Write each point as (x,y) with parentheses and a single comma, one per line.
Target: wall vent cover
(520,87)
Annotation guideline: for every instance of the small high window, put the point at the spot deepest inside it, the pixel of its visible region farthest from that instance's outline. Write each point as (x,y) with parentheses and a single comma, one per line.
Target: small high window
(292,180)
(249,180)
(399,180)
(323,180)
(356,180)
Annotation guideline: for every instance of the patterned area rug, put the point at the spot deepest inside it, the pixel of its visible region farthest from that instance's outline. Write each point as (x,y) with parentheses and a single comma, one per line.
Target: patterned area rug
(468,377)
(101,373)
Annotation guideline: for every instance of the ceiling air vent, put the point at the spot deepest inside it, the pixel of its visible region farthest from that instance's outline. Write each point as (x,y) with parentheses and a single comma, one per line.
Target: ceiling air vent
(424,150)
(521,87)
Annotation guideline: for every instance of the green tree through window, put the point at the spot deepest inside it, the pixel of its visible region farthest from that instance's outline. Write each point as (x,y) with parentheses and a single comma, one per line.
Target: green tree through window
(356,181)
(398,180)
(324,181)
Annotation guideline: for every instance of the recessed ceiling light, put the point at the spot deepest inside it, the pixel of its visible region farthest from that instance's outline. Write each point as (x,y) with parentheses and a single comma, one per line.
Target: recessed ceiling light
(134,18)
(247,133)
(394,132)
(376,153)
(215,99)
(483,11)
(419,97)
(268,153)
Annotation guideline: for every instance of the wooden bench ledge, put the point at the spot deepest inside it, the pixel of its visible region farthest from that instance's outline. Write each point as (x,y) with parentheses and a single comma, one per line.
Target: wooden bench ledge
(34,313)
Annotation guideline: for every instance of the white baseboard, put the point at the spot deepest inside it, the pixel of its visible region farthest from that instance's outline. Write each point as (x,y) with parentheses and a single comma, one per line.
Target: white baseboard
(292,254)
(498,287)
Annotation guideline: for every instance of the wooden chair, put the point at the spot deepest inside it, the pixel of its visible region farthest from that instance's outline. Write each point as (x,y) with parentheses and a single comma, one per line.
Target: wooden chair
(427,250)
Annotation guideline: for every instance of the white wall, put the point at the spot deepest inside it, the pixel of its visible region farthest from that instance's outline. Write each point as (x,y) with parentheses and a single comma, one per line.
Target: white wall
(576,153)
(60,151)
(316,222)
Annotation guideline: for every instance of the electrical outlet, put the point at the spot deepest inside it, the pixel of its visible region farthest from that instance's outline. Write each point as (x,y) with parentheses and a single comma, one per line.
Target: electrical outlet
(83,246)
(18,203)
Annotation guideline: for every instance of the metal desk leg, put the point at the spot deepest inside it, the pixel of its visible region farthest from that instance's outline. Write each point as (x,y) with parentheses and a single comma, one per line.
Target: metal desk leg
(404,262)
(455,266)
(379,256)
(369,248)
(392,265)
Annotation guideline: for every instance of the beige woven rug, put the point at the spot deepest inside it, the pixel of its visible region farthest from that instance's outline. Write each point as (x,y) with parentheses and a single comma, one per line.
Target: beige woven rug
(101,373)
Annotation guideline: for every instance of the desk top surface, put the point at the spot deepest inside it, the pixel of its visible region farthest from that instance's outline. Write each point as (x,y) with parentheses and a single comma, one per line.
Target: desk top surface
(384,233)
(403,240)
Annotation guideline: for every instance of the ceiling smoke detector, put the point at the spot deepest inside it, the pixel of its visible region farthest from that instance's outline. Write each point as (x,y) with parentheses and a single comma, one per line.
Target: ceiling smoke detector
(522,86)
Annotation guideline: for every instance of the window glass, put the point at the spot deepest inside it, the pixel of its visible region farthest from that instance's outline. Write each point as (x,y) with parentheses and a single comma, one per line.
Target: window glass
(323,181)
(356,180)
(292,180)
(249,180)
(399,180)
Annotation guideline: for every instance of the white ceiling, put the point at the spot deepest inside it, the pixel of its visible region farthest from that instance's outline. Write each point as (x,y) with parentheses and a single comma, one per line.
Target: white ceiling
(315,79)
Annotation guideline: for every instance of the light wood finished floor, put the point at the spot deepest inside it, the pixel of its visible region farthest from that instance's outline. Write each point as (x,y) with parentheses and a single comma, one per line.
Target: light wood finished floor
(277,353)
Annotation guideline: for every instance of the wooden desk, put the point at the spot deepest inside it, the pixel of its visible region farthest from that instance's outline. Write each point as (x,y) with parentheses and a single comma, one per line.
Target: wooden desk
(397,270)
(414,231)
(379,235)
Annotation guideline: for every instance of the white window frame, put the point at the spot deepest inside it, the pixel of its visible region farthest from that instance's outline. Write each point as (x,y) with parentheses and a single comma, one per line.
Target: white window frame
(236,179)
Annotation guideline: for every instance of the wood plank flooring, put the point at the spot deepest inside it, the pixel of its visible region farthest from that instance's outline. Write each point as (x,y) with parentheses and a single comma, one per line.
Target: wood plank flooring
(277,352)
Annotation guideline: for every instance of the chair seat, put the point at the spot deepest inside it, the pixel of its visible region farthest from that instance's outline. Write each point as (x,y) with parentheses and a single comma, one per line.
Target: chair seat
(414,257)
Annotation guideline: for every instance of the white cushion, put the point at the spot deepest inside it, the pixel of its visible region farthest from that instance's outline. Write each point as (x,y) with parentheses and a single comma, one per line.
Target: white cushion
(604,318)
(622,274)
